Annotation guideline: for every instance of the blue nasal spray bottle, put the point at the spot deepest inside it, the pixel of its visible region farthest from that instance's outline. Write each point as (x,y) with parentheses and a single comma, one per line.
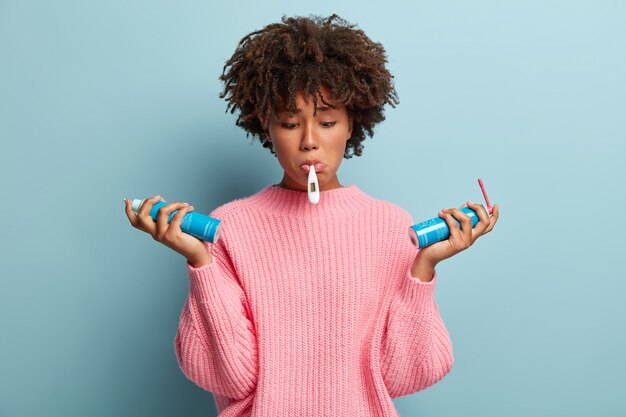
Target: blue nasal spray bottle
(436,229)
(198,225)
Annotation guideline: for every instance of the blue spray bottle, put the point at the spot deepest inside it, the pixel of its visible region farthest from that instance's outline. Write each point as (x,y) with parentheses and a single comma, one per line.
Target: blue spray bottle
(436,229)
(198,225)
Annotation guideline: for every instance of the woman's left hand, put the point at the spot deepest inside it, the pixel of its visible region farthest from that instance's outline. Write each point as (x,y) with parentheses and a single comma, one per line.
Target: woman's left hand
(460,239)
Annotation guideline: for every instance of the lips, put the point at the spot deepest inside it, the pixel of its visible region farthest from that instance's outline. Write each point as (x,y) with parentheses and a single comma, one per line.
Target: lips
(319,166)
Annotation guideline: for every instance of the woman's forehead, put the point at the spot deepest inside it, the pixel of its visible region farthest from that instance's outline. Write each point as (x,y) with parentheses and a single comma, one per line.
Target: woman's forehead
(322,106)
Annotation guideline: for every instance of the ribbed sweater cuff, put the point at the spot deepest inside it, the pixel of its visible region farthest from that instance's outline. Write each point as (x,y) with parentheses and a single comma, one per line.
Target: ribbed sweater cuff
(416,291)
(203,281)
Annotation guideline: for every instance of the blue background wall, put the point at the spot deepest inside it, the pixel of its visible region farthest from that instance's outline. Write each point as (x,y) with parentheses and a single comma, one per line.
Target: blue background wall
(105,100)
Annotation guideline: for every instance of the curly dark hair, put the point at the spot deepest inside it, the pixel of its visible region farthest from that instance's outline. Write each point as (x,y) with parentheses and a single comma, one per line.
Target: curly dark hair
(270,65)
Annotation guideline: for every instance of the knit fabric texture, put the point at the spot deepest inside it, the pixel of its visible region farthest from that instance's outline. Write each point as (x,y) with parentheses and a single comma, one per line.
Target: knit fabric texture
(311,310)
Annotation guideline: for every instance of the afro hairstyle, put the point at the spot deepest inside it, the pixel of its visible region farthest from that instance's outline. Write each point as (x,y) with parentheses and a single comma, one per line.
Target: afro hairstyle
(270,65)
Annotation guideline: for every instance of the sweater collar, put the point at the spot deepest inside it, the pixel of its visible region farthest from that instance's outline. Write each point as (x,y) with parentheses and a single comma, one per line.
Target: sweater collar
(346,200)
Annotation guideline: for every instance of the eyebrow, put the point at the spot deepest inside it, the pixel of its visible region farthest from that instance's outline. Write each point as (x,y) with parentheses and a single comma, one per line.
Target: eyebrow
(319,109)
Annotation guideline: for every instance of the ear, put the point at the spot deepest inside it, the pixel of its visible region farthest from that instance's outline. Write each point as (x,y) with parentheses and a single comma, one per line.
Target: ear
(350,123)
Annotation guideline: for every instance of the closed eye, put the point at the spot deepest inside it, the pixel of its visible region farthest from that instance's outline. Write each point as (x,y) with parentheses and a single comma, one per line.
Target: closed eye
(293,125)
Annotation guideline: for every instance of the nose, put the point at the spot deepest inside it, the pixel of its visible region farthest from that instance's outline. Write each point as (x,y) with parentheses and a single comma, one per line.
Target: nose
(308,141)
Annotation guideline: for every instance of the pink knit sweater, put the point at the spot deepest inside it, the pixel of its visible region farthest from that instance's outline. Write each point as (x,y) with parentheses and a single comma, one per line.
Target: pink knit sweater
(311,310)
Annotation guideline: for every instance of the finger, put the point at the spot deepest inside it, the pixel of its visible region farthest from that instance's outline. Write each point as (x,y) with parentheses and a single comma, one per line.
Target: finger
(455,231)
(177,220)
(494,218)
(460,216)
(132,217)
(466,223)
(480,211)
(146,206)
(163,216)
(483,220)
(143,219)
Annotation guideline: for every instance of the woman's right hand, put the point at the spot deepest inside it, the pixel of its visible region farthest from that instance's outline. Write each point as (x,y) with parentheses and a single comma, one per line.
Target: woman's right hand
(170,234)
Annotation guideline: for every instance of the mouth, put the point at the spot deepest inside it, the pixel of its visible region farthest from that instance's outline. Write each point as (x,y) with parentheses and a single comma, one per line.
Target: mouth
(319,166)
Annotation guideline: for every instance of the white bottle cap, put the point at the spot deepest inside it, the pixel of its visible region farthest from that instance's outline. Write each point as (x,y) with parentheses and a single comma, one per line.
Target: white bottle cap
(136,204)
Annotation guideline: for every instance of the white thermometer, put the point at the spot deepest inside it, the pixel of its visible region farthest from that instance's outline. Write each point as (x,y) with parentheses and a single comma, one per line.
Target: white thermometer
(313,187)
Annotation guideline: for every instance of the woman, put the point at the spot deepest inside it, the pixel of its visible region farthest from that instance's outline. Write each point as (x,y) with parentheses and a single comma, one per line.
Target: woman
(307,309)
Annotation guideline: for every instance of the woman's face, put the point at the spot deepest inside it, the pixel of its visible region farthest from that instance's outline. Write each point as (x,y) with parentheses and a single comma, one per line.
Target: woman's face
(300,137)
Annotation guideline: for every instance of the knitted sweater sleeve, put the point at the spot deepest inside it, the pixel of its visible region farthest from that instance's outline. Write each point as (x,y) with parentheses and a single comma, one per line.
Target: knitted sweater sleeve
(416,348)
(216,344)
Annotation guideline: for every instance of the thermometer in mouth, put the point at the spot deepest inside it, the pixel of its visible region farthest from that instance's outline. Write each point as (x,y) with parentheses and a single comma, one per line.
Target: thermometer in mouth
(313,187)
